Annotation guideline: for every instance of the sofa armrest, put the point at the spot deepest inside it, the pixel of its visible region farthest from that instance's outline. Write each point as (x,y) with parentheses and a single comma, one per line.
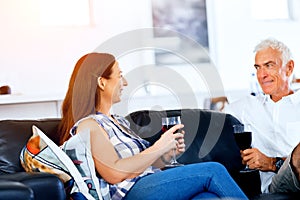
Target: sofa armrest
(44,186)
(13,190)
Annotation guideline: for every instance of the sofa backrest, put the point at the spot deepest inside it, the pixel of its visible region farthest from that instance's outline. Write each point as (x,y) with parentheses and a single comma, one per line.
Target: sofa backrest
(14,134)
(208,134)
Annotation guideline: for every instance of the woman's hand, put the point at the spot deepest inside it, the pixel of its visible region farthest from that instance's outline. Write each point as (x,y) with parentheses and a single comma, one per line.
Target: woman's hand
(180,143)
(170,140)
(180,146)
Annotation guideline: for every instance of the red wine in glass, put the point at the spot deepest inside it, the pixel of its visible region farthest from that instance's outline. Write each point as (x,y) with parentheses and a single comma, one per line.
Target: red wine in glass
(167,127)
(167,123)
(243,138)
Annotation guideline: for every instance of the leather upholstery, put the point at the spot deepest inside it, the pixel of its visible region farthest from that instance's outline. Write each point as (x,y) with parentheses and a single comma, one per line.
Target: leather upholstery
(208,134)
(43,185)
(13,190)
(13,136)
(208,138)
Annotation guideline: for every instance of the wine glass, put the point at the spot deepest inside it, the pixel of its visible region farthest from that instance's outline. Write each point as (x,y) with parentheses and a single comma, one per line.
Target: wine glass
(243,138)
(167,123)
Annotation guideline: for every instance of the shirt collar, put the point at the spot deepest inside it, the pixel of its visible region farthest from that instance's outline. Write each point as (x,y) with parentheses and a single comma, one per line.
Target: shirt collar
(264,98)
(294,98)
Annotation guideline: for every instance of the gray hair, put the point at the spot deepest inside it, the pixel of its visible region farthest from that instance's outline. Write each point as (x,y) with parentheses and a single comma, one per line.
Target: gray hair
(286,54)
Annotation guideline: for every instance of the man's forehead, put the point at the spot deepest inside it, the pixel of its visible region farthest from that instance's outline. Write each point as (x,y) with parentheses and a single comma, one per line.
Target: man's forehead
(267,55)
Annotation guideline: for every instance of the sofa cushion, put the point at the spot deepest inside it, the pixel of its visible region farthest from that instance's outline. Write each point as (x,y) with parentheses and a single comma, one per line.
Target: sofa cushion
(208,134)
(37,156)
(19,131)
(41,154)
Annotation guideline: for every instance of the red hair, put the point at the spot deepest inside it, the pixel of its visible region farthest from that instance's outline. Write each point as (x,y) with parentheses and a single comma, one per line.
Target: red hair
(83,93)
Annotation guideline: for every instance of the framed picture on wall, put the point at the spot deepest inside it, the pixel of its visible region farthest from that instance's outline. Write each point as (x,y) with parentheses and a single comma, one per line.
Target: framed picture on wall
(179,24)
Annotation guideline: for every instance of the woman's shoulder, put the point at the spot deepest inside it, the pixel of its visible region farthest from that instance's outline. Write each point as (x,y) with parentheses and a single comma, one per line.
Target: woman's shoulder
(87,122)
(84,123)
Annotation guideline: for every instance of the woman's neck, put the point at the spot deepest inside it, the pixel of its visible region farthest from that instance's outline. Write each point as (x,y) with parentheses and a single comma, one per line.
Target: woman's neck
(104,108)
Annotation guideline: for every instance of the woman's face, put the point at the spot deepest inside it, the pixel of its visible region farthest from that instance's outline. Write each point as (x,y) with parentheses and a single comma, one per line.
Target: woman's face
(115,84)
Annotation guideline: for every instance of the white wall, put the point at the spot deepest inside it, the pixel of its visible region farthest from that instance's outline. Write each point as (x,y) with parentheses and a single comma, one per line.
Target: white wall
(38,59)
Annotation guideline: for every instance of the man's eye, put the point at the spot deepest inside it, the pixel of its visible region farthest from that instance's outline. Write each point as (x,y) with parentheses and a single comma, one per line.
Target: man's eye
(270,65)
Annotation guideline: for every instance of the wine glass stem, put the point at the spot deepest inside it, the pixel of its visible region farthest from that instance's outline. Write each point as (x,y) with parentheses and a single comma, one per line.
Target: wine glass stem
(174,157)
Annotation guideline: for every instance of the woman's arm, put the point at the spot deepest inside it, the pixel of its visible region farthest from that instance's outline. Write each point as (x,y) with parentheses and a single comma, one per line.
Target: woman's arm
(111,167)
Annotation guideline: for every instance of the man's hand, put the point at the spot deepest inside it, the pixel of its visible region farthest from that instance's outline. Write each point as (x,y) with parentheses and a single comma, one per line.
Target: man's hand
(257,160)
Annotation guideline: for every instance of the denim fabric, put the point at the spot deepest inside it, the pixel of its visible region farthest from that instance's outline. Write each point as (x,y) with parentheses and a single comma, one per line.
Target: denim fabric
(207,180)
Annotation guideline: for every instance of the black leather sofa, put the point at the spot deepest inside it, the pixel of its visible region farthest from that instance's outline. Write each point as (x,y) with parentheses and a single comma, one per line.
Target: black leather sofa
(208,137)
(15,183)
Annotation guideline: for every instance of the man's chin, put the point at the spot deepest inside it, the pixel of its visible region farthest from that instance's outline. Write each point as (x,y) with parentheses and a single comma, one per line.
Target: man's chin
(267,91)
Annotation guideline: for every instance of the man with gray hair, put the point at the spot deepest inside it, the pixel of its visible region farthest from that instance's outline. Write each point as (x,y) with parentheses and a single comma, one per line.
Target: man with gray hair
(274,118)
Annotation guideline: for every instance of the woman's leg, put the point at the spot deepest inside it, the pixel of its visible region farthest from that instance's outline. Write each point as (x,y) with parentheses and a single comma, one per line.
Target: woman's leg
(187,182)
(205,195)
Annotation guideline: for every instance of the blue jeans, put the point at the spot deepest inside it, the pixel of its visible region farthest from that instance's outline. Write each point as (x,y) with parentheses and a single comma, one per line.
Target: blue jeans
(207,180)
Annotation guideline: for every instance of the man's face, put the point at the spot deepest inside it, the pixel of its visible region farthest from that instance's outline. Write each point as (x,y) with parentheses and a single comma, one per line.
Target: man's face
(272,75)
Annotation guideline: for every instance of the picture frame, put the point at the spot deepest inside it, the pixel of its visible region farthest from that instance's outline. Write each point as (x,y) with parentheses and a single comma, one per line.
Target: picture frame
(180,27)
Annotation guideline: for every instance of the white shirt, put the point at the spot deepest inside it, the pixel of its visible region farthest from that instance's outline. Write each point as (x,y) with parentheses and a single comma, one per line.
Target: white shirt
(275,126)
